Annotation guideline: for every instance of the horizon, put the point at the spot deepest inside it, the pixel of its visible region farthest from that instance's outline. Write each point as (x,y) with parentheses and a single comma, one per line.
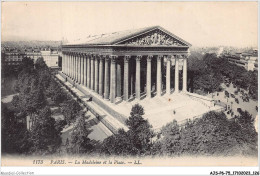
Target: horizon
(192,47)
(203,24)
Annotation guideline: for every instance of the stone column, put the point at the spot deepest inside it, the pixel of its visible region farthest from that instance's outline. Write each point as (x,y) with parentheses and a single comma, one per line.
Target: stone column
(126,77)
(148,77)
(132,85)
(92,72)
(113,79)
(159,76)
(168,76)
(137,80)
(101,73)
(85,70)
(73,67)
(63,61)
(64,56)
(65,65)
(82,69)
(107,80)
(176,88)
(78,68)
(184,74)
(96,73)
(69,65)
(118,81)
(89,71)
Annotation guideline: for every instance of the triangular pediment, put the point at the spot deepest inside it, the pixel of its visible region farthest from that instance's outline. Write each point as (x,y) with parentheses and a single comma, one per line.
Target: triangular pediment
(154,37)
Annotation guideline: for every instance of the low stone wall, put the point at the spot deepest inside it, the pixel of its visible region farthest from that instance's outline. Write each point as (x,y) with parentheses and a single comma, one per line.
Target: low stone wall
(204,100)
(121,118)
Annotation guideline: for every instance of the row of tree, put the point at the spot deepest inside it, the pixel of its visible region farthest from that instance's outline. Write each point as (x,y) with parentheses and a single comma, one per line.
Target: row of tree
(213,134)
(207,72)
(28,127)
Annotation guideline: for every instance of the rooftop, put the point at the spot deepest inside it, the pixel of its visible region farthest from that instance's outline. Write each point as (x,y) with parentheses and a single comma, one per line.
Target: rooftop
(116,37)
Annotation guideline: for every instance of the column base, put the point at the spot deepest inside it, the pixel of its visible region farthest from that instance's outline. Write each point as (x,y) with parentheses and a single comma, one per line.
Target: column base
(101,96)
(106,99)
(118,98)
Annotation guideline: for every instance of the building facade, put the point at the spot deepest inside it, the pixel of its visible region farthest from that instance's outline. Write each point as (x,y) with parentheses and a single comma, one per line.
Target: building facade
(247,60)
(51,58)
(12,59)
(127,64)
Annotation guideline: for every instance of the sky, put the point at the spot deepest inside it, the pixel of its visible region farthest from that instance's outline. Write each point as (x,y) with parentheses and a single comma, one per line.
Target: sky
(199,23)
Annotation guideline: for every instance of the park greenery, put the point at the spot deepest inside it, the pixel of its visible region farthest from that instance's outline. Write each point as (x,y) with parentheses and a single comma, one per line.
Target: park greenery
(212,134)
(208,72)
(28,126)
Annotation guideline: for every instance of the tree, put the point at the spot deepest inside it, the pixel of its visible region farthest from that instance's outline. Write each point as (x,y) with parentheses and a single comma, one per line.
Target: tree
(170,143)
(119,144)
(15,137)
(79,140)
(140,130)
(213,134)
(40,64)
(70,110)
(45,138)
(55,92)
(60,124)
(27,64)
(136,141)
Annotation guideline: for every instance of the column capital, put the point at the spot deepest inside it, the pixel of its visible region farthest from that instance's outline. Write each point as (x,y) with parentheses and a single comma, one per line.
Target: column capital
(185,56)
(138,58)
(98,56)
(101,57)
(159,57)
(81,54)
(149,58)
(126,58)
(169,58)
(92,56)
(113,58)
(177,56)
(107,58)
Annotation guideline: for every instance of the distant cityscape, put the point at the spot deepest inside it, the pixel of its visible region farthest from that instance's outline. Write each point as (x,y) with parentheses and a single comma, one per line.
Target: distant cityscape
(13,52)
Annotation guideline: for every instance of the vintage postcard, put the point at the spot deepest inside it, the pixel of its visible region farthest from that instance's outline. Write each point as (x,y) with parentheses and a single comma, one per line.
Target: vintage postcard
(129,84)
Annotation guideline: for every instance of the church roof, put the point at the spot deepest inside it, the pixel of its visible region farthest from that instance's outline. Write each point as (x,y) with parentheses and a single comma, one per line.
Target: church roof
(117,37)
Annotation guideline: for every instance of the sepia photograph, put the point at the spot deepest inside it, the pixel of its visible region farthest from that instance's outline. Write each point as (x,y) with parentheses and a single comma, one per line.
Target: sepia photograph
(106,84)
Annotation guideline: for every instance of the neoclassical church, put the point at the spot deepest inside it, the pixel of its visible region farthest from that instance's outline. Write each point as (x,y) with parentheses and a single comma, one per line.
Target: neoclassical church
(127,64)
(146,66)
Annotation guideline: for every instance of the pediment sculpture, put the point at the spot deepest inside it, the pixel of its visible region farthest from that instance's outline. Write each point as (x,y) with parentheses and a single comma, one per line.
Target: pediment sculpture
(155,38)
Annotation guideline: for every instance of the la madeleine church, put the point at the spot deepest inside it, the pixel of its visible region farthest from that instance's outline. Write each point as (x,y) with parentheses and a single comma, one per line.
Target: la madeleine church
(126,64)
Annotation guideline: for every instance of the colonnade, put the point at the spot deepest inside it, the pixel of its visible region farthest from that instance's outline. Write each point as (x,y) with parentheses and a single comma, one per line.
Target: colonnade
(103,74)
